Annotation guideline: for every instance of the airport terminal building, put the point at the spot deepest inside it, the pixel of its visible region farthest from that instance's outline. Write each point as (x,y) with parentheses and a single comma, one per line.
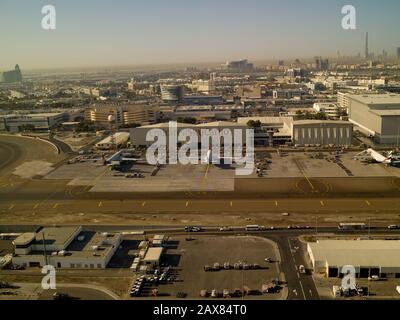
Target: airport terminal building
(369,257)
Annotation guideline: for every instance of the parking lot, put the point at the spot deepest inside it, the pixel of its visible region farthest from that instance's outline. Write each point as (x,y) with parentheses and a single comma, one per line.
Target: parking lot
(189,255)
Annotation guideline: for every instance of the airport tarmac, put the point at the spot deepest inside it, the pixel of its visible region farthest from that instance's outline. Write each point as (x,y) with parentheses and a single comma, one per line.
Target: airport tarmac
(89,192)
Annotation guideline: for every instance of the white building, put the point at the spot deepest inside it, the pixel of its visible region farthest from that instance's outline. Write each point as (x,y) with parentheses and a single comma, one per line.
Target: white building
(377,115)
(152,258)
(332,110)
(40,121)
(204,86)
(305,132)
(324,133)
(138,135)
(117,140)
(65,247)
(369,257)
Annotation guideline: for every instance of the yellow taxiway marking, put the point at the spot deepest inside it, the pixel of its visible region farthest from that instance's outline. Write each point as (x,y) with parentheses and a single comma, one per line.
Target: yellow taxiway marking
(100,204)
(368,203)
(11,207)
(143,203)
(206,174)
(300,166)
(322,203)
(35,206)
(55,206)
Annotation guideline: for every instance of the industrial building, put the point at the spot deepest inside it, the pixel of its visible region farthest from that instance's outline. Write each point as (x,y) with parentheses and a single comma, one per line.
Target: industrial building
(200,113)
(116,140)
(324,133)
(138,135)
(152,258)
(65,247)
(369,257)
(38,121)
(377,115)
(280,130)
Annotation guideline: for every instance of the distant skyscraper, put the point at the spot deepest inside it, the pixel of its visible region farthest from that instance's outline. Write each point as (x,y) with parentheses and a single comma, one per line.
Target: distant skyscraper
(366,47)
(11,76)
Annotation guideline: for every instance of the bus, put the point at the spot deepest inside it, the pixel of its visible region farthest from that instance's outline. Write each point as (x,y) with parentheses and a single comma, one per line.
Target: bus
(253,228)
(352,226)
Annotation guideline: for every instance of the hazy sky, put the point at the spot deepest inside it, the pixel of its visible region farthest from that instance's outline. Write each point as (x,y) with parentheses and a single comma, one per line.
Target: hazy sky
(134,32)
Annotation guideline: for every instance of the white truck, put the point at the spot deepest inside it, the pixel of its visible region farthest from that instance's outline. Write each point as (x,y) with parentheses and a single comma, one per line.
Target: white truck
(337,291)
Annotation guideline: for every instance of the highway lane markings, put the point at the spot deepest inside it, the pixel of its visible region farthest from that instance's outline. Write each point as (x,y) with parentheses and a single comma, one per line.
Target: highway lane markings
(302,290)
(294,262)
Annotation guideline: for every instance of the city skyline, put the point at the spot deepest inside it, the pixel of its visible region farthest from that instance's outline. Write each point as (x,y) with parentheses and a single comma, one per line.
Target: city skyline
(156,33)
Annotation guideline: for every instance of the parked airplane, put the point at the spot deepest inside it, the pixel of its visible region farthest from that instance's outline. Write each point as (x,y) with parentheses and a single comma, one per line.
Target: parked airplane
(371,156)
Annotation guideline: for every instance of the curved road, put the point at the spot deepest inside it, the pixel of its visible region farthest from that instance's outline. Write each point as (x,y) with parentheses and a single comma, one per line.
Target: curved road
(9,154)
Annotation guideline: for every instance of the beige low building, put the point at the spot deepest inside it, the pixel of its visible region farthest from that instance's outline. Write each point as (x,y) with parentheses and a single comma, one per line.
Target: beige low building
(369,257)
(317,132)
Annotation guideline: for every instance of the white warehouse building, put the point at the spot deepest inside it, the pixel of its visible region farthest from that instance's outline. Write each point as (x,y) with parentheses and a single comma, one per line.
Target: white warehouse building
(369,257)
(316,132)
(117,140)
(65,247)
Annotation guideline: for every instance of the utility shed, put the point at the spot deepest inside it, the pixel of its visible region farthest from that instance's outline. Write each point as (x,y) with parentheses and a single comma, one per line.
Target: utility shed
(153,257)
(369,257)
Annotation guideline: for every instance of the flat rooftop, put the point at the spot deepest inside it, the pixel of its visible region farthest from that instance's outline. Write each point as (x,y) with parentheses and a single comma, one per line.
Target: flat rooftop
(56,235)
(377,253)
(374,99)
(153,254)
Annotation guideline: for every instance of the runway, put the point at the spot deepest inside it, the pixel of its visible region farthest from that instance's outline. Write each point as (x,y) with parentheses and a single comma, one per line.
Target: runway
(263,201)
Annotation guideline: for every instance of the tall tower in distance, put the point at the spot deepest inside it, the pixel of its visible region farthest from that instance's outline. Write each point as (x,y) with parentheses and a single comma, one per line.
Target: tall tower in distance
(366,47)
